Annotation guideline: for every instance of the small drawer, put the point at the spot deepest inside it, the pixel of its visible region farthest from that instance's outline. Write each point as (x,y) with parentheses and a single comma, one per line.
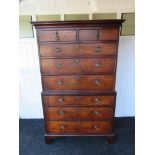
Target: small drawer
(96,127)
(71,50)
(67,127)
(59,113)
(57,50)
(79,82)
(57,36)
(78,66)
(98,34)
(97,49)
(73,113)
(58,100)
(96,113)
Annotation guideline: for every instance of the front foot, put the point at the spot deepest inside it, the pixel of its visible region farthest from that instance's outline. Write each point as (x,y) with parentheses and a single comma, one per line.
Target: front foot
(110,139)
(49,140)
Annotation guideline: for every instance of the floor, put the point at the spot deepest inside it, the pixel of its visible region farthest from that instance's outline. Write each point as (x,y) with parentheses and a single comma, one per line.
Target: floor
(31,138)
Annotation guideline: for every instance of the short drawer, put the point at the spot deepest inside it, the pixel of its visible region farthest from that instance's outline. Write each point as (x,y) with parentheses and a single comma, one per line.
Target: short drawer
(78,66)
(71,50)
(96,127)
(58,100)
(79,82)
(56,36)
(79,127)
(98,34)
(61,127)
(74,113)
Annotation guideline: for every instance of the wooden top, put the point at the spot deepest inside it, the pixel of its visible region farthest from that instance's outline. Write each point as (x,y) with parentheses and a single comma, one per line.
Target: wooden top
(78,23)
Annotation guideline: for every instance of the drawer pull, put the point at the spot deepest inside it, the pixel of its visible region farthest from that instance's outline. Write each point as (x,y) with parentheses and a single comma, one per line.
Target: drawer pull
(61,100)
(97,82)
(96,127)
(59,83)
(97,100)
(59,66)
(96,113)
(62,127)
(77,61)
(61,112)
(77,77)
(98,49)
(57,38)
(58,50)
(98,65)
(98,35)
(77,97)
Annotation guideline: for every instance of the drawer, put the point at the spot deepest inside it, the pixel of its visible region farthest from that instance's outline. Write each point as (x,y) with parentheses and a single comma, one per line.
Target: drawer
(49,100)
(56,36)
(71,50)
(74,113)
(79,82)
(96,127)
(62,127)
(99,34)
(78,66)
(79,127)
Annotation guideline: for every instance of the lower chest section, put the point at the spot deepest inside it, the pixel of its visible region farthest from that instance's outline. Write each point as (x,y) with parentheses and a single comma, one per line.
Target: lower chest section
(78,114)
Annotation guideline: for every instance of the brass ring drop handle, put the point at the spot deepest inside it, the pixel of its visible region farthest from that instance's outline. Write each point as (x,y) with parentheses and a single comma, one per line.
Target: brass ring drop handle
(97,100)
(77,61)
(62,127)
(59,83)
(59,66)
(96,127)
(61,100)
(58,50)
(57,38)
(96,112)
(77,97)
(61,112)
(98,49)
(97,82)
(98,65)
(98,35)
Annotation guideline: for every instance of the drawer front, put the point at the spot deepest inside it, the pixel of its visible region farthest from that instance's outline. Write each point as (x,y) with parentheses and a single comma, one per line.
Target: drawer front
(59,113)
(70,50)
(78,100)
(79,82)
(74,113)
(98,34)
(66,127)
(97,49)
(79,127)
(56,36)
(78,66)
(96,127)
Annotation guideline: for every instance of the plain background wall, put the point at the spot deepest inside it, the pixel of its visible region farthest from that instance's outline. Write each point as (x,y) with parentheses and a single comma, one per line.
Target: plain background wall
(30,80)
(125,77)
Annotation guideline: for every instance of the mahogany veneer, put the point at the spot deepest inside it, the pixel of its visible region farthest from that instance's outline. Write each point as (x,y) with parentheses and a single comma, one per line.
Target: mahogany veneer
(78,62)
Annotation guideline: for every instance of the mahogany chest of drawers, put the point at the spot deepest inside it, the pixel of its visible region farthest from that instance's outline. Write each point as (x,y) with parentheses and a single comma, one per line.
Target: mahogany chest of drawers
(78,62)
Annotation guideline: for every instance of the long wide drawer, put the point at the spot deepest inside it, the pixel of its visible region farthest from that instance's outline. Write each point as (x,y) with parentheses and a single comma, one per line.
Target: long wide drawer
(59,100)
(56,36)
(78,66)
(74,113)
(79,82)
(71,50)
(78,127)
